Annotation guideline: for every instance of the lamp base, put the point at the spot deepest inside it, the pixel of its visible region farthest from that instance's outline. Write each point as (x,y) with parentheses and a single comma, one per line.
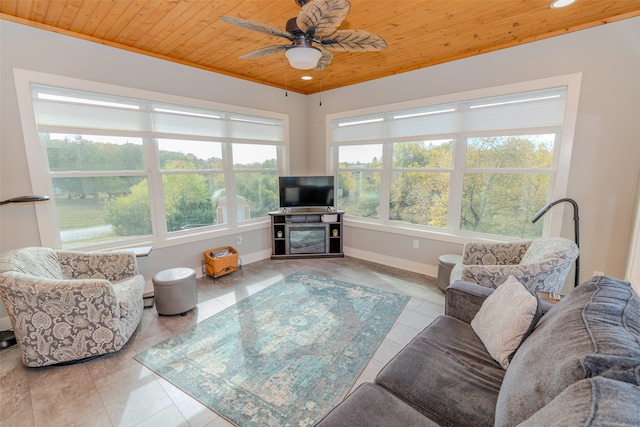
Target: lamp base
(7,339)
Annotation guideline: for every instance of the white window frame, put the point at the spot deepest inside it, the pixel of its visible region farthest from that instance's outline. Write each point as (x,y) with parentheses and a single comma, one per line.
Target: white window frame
(41,183)
(562,159)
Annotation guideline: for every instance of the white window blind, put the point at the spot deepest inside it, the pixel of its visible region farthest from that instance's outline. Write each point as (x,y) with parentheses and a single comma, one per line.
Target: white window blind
(523,111)
(64,110)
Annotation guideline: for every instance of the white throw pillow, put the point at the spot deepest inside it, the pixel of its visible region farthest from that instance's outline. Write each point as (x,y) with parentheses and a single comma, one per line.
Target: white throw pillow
(505,318)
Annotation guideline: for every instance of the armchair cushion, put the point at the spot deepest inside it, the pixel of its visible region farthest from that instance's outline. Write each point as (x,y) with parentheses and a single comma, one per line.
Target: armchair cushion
(482,253)
(60,314)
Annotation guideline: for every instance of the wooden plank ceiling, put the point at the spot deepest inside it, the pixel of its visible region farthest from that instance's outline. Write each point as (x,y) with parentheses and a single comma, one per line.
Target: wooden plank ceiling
(420,33)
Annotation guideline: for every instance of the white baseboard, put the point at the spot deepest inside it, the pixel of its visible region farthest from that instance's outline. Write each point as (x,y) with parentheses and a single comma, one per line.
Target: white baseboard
(245,259)
(403,264)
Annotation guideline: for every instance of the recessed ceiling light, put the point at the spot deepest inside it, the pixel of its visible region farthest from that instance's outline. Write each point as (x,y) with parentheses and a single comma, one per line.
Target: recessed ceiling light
(557,4)
(306,78)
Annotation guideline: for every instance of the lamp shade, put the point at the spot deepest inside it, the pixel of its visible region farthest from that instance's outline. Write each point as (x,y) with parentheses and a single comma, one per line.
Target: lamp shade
(25,199)
(303,57)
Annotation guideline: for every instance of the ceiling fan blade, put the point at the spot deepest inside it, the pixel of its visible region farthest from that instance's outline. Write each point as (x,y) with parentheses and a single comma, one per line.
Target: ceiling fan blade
(256,26)
(354,41)
(324,60)
(321,18)
(269,50)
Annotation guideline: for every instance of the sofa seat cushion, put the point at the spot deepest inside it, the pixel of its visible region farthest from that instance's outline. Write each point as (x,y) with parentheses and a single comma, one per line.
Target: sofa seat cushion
(446,373)
(373,406)
(591,402)
(594,331)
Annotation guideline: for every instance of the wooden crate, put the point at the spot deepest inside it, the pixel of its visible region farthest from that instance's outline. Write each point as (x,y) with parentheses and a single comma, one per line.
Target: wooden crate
(220,261)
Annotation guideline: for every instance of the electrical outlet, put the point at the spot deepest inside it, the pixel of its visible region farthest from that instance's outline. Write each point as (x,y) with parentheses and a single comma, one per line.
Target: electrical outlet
(239,240)
(598,273)
(416,244)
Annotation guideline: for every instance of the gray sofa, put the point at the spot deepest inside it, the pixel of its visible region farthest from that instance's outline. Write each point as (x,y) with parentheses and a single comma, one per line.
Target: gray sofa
(66,306)
(579,367)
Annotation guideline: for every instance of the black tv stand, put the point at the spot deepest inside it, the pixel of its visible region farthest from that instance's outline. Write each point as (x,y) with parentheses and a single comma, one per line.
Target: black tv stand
(306,233)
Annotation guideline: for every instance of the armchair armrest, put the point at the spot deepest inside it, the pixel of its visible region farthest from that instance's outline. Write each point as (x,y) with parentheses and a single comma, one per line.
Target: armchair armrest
(463,299)
(58,320)
(479,253)
(56,297)
(129,294)
(111,266)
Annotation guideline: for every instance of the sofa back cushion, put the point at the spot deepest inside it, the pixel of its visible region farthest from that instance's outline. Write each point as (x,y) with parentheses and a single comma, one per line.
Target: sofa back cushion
(594,331)
(39,262)
(591,402)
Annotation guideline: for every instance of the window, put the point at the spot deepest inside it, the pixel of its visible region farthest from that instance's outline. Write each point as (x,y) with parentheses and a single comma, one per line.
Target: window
(124,169)
(506,180)
(419,184)
(359,179)
(256,179)
(474,165)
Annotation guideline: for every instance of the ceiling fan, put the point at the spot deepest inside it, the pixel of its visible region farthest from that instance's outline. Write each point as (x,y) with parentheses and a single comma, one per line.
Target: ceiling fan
(317,23)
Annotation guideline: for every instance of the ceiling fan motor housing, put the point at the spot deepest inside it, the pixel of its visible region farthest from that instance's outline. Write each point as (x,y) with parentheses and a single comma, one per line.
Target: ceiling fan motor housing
(292,27)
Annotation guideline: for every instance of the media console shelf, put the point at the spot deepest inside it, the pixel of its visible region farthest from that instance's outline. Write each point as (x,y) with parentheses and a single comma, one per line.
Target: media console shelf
(306,233)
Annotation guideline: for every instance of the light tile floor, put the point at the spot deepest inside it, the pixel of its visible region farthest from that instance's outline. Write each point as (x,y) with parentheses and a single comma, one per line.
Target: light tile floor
(115,390)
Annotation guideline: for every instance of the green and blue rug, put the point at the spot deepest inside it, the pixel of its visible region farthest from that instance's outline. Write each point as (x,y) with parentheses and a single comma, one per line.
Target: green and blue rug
(284,356)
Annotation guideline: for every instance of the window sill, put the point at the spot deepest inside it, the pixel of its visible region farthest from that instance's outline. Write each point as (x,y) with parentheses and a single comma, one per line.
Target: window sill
(184,237)
(460,237)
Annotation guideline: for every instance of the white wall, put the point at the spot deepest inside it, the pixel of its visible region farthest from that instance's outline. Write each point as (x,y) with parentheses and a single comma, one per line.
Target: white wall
(604,167)
(606,154)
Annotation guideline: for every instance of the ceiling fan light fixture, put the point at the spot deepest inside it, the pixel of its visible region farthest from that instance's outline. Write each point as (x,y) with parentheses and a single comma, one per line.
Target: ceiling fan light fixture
(303,57)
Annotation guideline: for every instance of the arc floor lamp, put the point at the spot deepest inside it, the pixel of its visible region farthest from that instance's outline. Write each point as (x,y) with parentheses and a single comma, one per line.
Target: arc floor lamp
(576,227)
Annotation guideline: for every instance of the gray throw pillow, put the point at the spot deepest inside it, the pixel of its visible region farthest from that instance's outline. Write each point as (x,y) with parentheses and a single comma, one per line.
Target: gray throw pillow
(505,318)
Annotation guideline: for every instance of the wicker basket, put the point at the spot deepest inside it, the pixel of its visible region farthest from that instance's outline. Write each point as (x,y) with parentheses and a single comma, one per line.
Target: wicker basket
(220,261)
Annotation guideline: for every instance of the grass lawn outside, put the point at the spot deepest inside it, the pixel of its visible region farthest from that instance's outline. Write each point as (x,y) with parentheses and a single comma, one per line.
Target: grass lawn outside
(79,213)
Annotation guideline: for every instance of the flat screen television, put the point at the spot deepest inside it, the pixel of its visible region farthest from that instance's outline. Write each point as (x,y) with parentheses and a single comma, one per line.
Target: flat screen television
(306,191)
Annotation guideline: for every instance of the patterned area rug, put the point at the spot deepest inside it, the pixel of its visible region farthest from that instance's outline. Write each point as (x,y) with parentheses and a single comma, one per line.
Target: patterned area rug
(284,356)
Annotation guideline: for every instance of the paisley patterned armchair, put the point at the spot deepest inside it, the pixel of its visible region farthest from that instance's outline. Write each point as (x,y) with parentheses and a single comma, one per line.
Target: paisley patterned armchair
(541,265)
(67,306)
